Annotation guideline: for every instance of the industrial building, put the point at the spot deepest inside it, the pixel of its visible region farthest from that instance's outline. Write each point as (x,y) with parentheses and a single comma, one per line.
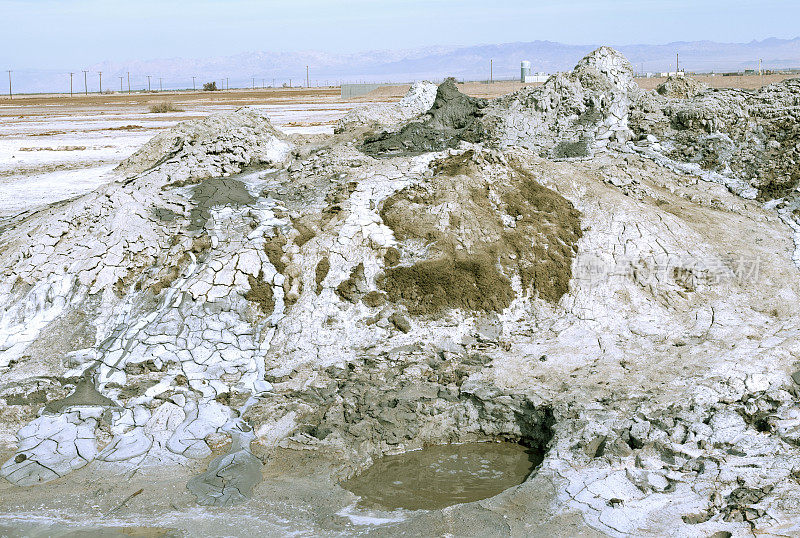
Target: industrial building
(527,77)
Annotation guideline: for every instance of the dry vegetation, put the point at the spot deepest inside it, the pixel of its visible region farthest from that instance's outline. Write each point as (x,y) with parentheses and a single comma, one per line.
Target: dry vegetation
(164,107)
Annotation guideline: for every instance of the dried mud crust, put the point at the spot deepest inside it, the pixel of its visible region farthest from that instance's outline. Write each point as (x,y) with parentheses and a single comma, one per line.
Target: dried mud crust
(752,137)
(406,398)
(452,118)
(494,231)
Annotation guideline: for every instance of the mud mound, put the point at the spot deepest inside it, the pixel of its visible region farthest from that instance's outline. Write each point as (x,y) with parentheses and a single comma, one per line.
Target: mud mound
(681,88)
(747,140)
(213,146)
(453,117)
(572,114)
(532,233)
(417,100)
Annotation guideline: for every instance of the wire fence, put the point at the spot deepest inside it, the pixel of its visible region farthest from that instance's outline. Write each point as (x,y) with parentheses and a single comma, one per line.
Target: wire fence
(95,83)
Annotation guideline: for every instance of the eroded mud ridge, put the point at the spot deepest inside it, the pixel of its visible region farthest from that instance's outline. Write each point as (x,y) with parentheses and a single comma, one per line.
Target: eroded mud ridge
(603,274)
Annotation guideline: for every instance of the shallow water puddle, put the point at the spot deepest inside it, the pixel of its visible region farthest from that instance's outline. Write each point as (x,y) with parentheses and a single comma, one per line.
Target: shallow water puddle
(440,476)
(50,531)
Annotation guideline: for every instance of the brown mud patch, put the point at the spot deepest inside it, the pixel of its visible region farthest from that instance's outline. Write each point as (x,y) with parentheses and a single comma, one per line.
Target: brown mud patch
(354,287)
(431,286)
(273,247)
(320,272)
(261,293)
(479,234)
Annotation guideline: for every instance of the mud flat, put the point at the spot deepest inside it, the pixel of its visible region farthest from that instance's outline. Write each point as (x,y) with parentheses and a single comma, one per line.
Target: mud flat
(243,321)
(55,147)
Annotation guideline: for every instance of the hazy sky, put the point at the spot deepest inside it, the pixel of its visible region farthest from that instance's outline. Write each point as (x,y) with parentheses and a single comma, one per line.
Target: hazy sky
(57,33)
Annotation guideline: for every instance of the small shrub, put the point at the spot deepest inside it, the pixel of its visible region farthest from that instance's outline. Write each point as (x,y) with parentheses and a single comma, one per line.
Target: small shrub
(164,107)
(210,87)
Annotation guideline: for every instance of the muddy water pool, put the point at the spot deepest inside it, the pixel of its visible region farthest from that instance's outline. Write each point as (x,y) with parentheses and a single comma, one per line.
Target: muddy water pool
(440,476)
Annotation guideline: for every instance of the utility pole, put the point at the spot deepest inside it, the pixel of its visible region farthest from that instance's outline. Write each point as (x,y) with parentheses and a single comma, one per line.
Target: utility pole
(273,82)
(677,55)
(254,83)
(100,74)
(193,85)
(160,86)
(120,85)
(263,85)
(308,84)
(761,71)
(10,96)
(491,71)
(85,86)
(70,84)
(148,83)
(290,83)
(129,82)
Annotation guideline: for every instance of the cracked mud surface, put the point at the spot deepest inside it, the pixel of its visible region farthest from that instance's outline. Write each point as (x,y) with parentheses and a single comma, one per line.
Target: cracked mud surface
(247,319)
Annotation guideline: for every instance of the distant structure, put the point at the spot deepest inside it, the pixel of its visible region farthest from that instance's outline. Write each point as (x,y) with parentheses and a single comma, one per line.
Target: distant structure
(525,71)
(355,90)
(527,77)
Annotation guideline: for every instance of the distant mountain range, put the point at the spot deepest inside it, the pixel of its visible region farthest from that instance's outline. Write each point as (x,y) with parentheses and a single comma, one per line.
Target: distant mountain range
(432,63)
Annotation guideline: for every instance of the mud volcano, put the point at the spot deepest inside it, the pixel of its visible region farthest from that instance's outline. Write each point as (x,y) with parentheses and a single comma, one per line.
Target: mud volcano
(604,273)
(436,477)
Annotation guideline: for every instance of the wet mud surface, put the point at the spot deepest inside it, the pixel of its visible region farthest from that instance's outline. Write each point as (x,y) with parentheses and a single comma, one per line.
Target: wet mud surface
(452,118)
(439,476)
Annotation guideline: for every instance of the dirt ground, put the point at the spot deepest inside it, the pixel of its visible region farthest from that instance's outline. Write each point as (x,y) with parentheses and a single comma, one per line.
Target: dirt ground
(331,94)
(140,99)
(498,88)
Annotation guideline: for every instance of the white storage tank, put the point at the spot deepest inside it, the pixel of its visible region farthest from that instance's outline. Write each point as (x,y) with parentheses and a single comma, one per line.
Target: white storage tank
(526,71)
